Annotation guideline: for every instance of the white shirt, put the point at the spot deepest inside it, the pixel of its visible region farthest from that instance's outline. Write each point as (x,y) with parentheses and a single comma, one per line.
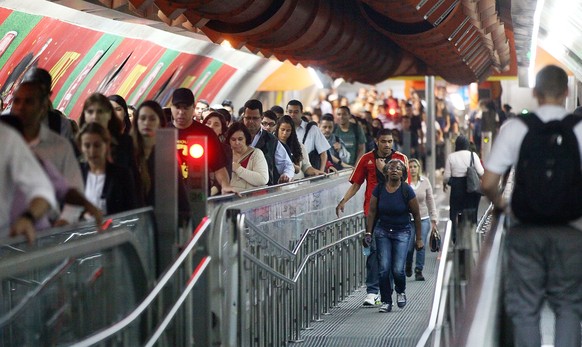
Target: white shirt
(458,162)
(505,151)
(315,138)
(283,163)
(94,190)
(19,168)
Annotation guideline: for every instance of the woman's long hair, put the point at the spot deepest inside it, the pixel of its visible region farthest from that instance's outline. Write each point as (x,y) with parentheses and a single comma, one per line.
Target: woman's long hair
(138,144)
(292,142)
(114,125)
(121,102)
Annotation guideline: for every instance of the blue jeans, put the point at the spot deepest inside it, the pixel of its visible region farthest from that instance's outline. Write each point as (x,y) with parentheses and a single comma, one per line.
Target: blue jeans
(392,246)
(425,228)
(372,286)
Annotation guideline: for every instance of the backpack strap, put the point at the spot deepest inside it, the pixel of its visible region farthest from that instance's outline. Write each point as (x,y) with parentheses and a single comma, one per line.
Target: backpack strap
(531,120)
(309,125)
(571,120)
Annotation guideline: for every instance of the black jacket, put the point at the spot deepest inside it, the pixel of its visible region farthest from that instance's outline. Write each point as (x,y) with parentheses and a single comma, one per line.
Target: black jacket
(118,190)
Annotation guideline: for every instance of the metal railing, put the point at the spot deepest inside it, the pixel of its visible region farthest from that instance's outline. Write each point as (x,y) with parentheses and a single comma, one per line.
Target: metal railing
(457,270)
(285,291)
(116,331)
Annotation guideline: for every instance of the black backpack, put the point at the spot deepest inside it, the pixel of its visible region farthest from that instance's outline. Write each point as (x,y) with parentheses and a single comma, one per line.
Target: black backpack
(548,179)
(314,157)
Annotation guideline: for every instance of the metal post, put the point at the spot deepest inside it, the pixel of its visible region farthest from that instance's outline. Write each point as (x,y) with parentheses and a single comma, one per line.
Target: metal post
(430,133)
(166,193)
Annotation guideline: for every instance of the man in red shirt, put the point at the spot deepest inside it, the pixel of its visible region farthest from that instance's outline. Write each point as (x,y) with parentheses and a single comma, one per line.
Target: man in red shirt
(369,169)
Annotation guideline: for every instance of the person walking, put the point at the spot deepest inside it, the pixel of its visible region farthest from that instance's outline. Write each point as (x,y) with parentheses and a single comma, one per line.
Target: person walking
(428,217)
(388,221)
(542,258)
(369,169)
(456,177)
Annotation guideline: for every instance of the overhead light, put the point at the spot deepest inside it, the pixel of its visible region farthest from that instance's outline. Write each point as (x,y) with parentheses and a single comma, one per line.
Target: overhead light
(315,77)
(534,43)
(226,44)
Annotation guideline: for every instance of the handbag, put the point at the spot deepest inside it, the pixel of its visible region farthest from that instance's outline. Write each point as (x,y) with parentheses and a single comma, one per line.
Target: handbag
(435,240)
(473,180)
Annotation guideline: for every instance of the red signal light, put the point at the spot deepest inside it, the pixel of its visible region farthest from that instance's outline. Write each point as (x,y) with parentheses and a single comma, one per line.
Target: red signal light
(196,151)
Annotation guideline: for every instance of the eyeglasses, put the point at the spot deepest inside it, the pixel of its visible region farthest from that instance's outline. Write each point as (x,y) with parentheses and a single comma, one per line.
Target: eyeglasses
(268,124)
(393,168)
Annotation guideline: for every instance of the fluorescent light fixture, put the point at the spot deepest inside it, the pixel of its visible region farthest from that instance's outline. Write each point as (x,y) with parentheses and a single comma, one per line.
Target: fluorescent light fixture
(457,101)
(534,43)
(315,78)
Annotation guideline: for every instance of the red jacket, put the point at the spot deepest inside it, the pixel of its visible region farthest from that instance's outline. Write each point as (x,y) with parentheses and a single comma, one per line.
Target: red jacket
(366,170)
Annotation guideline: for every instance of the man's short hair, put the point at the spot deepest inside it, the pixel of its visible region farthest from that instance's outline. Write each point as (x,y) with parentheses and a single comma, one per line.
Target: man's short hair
(227,116)
(227,102)
(270,114)
(204,101)
(347,109)
(384,132)
(183,96)
(254,104)
(278,109)
(327,117)
(551,81)
(39,75)
(295,103)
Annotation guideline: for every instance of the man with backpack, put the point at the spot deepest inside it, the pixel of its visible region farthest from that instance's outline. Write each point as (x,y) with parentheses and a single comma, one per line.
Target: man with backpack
(309,135)
(543,254)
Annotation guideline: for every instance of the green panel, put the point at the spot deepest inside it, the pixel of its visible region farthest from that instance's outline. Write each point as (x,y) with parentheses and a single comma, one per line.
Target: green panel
(107,43)
(166,59)
(20,22)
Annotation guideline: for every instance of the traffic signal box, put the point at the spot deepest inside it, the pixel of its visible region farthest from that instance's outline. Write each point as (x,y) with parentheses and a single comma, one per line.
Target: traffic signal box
(197,181)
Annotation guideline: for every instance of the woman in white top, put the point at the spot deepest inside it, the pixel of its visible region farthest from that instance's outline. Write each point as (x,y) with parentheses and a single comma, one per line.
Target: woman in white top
(428,217)
(285,132)
(456,176)
(249,166)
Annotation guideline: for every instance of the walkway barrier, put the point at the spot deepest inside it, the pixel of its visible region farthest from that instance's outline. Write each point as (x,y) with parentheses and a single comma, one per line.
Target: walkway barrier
(76,281)
(263,269)
(282,259)
(467,307)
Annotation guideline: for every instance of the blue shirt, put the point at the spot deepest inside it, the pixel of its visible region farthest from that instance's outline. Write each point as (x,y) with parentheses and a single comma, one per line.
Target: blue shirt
(393,211)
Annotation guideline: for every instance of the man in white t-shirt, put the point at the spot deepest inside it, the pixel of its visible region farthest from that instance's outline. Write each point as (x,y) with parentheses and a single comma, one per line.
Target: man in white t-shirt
(19,170)
(542,262)
(314,141)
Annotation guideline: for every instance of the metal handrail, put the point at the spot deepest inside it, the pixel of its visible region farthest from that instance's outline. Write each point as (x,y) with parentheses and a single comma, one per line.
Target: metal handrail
(484,302)
(193,280)
(439,287)
(48,255)
(163,281)
(30,296)
(305,235)
(300,268)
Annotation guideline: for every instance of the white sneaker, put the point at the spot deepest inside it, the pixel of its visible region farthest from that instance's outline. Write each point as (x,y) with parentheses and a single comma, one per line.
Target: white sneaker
(371,299)
(385,308)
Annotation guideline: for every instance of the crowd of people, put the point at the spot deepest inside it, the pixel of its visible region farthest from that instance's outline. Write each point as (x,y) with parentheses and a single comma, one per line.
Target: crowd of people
(104,161)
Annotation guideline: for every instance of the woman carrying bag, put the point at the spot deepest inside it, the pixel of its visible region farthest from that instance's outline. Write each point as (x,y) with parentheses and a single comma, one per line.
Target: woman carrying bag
(428,217)
(456,176)
(392,203)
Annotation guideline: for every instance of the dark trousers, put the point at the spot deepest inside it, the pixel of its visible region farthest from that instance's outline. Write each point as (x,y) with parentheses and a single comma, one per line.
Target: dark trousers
(544,263)
(461,201)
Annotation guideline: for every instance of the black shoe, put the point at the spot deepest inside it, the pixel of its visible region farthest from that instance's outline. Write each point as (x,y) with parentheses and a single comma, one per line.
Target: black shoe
(408,270)
(418,275)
